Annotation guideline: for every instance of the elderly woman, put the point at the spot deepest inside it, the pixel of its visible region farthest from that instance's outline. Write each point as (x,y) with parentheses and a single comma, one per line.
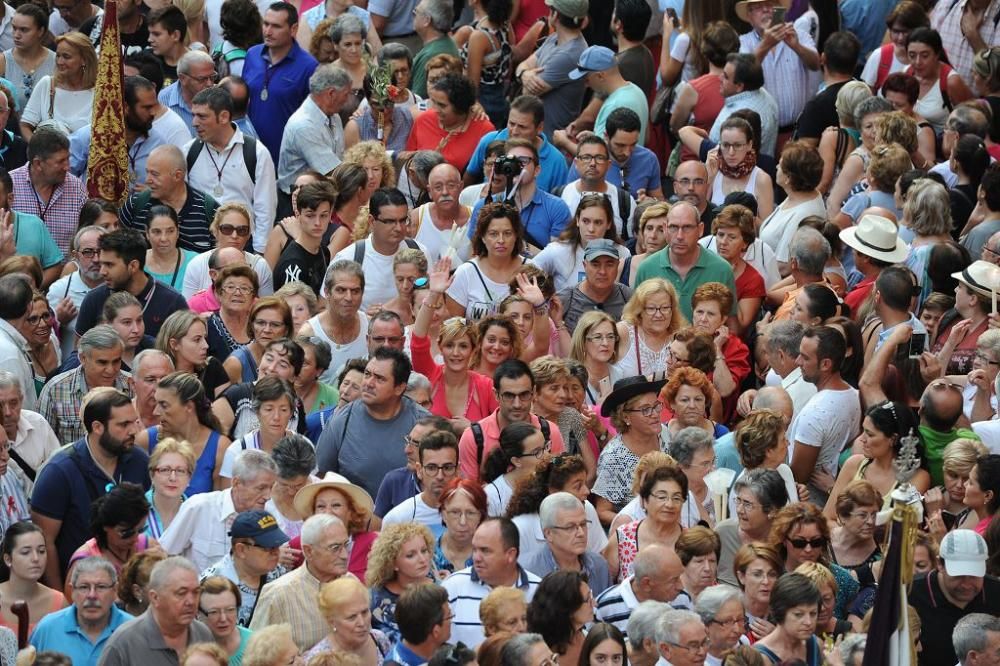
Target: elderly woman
(836,143)
(563,605)
(649,320)
(595,346)
(274,403)
(689,394)
(650,238)
(218,607)
(663,494)
(795,604)
(694,451)
(24,556)
(759,495)
(902,91)
(301,300)
(552,403)
(799,173)
(237,288)
(449,126)
(463,507)
(348,34)
(734,232)
(941,86)
(634,409)
(170,468)
(337,496)
(720,608)
(402,556)
(269,320)
(66,97)
(183,337)
(852,540)
(504,609)
(698,547)
(295,457)
(927,217)
(634,509)
(887,163)
(828,626)
(757,568)
(855,165)
(272,645)
(345,605)
(957,345)
(959,458)
(761,443)
(711,304)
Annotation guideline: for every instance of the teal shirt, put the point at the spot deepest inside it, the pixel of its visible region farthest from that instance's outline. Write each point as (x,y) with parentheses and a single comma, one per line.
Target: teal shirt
(237,659)
(60,632)
(170,279)
(32,238)
(629,96)
(709,267)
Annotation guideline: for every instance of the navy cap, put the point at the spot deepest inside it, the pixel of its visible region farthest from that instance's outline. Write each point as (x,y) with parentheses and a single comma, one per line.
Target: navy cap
(259,526)
(593,59)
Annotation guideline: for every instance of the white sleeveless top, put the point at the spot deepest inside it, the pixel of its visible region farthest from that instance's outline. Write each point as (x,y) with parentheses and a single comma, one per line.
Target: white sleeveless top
(646,363)
(437,241)
(341,354)
(718,196)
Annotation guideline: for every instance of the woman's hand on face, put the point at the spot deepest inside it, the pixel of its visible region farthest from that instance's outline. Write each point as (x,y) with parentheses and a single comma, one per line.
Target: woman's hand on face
(721,337)
(979,379)
(958,332)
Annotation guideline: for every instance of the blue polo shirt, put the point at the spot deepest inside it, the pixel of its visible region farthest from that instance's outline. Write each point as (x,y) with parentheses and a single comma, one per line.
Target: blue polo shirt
(70,481)
(60,632)
(553,163)
(642,172)
(405,656)
(544,217)
(171,98)
(287,85)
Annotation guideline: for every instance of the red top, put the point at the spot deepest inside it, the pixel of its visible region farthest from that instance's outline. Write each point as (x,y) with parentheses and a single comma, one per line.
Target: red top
(427,134)
(857,296)
(467,463)
(710,100)
(531,11)
(482,400)
(750,284)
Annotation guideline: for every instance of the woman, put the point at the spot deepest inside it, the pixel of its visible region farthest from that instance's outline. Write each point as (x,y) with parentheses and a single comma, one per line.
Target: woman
(269,320)
(720,608)
(759,494)
(959,458)
(757,568)
(236,288)
(133,582)
(699,100)
(118,525)
(982,490)
(795,604)
(498,340)
(381,119)
(241,29)
(329,11)
(449,126)
(902,91)
(274,403)
(799,172)
(123,312)
(409,267)
(603,645)
(184,338)
(634,510)
(29,59)
(219,607)
(891,58)
(698,547)
(271,645)
(521,446)
(314,394)
(551,403)
(286,230)
(295,457)
(855,166)
(24,555)
(463,509)
(960,329)
(337,496)
(348,34)
(650,238)
(170,468)
(734,230)
(401,557)
(828,626)
(379,172)
(486,48)
(882,430)
(345,605)
(164,260)
(593,219)
(43,347)
(852,540)
(301,300)
(694,451)
(479,284)
(521,312)
(504,609)
(837,143)
(888,162)
(634,410)
(649,320)
(185,414)
(68,96)
(711,304)
(663,494)
(969,161)
(941,87)
(595,346)
(986,81)
(562,606)
(688,394)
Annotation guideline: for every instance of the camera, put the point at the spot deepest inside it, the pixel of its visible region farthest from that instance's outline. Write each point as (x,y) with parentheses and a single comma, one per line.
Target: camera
(507,166)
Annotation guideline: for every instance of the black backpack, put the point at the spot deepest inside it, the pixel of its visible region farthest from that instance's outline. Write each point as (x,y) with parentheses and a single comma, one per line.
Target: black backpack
(477,435)
(249,155)
(359,249)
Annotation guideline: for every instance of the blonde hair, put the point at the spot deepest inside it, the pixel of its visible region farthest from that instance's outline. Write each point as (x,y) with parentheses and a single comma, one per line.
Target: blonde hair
(649,462)
(171,445)
(297,288)
(334,594)
(194,13)
(651,212)
(961,455)
(632,313)
(81,44)
(334,658)
(588,322)
(385,550)
(413,256)
(818,574)
(211,650)
(266,645)
(759,432)
(548,369)
(225,209)
(357,154)
(456,327)
(492,603)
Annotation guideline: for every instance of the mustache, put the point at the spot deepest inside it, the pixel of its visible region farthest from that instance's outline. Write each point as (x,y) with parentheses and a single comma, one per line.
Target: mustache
(91,603)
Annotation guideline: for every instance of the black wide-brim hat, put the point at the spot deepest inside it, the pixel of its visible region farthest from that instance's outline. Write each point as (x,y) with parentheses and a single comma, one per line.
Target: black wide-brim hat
(628,388)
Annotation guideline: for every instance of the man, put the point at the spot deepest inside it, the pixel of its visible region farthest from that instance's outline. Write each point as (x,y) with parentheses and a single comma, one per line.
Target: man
(134,34)
(69,15)
(494,564)
(148,367)
(424,620)
(195,73)
(967,118)
(830,419)
(893,298)
(681,638)
(514,386)
(380,415)
(305,258)
(168,41)
(786,54)
(385,330)
(292,597)
(776,399)
(978,241)
(684,262)
(630,23)
(593,161)
(28,235)
(637,163)
(564,523)
(15,304)
(31,438)
(877,245)
(437,464)
(44,186)
(808,253)
(230,165)
(168,627)
(200,529)
(123,258)
(838,60)
(314,135)
(67,293)
(277,73)
(78,474)
(545,73)
(781,343)
(403,483)
(171,126)
(388,221)
(957,587)
(691,185)
(641,634)
(656,576)
(525,120)
(599,289)
(238,90)
(743,88)
(431,21)
(940,411)
(966,28)
(435,222)
(991,249)
(977,639)
(867,20)
(543,215)
(343,319)
(81,631)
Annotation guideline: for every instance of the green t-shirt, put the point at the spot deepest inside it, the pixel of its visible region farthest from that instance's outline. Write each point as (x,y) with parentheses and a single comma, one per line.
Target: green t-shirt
(934,446)
(327,396)
(32,238)
(709,267)
(440,45)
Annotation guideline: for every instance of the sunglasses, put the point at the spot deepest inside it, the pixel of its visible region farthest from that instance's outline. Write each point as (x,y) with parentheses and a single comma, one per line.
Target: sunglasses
(230,229)
(129,532)
(818,542)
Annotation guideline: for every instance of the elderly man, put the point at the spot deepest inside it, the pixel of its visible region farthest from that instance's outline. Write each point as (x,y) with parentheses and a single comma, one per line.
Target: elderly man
(808,253)
(600,288)
(434,221)
(195,72)
(991,249)
(200,530)
(31,438)
(967,28)
(342,319)
(965,119)
(876,245)
(437,464)
(203,269)
(160,635)
(721,609)
(81,631)
(67,293)
(385,330)
(166,176)
(15,304)
(431,22)
(564,524)
(292,598)
(681,639)
(494,564)
(743,88)
(957,587)
(641,633)
(148,367)
(656,576)
(101,351)
(78,474)
(781,343)
(977,639)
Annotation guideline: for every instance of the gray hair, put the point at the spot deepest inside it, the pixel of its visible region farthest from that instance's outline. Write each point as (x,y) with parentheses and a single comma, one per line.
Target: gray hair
(416,382)
(773,397)
(989,340)
(554,503)
(968,120)
(642,622)
(387,316)
(927,210)
(93,564)
(868,106)
(163,570)
(148,354)
(848,99)
(441,14)
(766,485)
(423,161)
(809,250)
(193,57)
(78,237)
(347,24)
(100,338)
(668,628)
(852,646)
(515,652)
(786,336)
(315,525)
(689,441)
(329,76)
(249,464)
(713,598)
(9,380)
(972,633)
(294,455)
(347,266)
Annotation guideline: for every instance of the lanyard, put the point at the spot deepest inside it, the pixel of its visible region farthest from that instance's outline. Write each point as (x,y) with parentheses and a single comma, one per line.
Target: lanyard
(215,165)
(42,212)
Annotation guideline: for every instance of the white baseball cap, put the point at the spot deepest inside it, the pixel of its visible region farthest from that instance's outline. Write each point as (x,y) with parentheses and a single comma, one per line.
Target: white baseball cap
(964,553)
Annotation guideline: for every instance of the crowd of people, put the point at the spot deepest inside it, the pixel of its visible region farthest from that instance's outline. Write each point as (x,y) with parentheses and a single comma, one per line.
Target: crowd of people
(500,332)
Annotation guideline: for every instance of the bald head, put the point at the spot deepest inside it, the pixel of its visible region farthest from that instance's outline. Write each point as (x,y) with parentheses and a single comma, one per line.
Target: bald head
(444,184)
(165,172)
(880,211)
(775,398)
(657,573)
(229,256)
(993,247)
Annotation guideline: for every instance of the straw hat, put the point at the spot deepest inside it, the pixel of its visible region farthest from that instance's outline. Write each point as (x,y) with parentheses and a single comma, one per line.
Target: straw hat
(306,497)
(981,277)
(877,237)
(743,7)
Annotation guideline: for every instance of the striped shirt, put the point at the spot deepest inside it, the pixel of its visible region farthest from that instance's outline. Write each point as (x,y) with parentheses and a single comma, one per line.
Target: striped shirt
(786,77)
(292,598)
(615,604)
(466,591)
(947,20)
(194,216)
(61,213)
(62,397)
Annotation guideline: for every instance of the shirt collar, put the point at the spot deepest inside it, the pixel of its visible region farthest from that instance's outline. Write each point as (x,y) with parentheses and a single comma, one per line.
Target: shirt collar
(522,578)
(226,506)
(14,334)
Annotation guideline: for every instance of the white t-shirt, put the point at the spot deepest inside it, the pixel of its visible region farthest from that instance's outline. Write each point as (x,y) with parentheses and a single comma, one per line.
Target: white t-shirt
(779,227)
(380,286)
(172,128)
(870,73)
(828,421)
(680,51)
(196,276)
(72,108)
(989,432)
(415,510)
(75,289)
(571,195)
(759,255)
(437,241)
(969,397)
(471,287)
(498,494)
(246,442)
(565,263)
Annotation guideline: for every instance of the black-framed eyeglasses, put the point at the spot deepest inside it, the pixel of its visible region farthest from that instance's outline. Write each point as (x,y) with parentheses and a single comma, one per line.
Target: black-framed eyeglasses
(88,253)
(129,532)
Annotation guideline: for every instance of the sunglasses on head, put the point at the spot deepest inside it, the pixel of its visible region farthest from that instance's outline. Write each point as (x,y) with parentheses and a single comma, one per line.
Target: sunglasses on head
(818,542)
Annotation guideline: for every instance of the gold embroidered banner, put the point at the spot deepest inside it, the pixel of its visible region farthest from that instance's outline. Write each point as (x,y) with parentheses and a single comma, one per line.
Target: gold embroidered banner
(107,164)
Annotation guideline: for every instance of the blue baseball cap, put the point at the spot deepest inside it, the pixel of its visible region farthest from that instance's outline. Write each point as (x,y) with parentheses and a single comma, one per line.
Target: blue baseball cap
(593,59)
(260,526)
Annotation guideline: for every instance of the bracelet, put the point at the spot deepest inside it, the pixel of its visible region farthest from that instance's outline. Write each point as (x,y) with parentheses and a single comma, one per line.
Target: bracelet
(541,309)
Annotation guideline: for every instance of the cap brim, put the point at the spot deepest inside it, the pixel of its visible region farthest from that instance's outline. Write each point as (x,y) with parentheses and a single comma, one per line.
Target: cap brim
(965,568)
(577,74)
(961,277)
(271,538)
(601,253)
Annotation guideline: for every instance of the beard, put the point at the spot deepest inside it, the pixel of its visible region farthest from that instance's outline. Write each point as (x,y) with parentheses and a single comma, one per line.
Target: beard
(113,445)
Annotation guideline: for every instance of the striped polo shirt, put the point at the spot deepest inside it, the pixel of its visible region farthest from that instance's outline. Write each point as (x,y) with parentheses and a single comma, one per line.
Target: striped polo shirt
(466,591)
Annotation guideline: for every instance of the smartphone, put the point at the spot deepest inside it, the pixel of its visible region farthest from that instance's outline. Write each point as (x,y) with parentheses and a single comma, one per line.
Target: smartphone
(918,344)
(778,16)
(672,13)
